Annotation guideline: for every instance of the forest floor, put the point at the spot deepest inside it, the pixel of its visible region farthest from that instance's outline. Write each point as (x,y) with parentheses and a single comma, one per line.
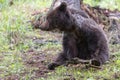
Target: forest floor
(25,52)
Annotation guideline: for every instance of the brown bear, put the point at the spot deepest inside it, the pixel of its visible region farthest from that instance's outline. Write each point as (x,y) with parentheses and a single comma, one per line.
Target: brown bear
(83,38)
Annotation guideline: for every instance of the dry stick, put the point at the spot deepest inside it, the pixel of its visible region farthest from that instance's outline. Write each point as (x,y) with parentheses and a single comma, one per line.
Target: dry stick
(77,61)
(81,61)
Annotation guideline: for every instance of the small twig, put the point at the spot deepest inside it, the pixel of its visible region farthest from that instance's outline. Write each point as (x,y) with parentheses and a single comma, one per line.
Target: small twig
(81,61)
(77,61)
(93,66)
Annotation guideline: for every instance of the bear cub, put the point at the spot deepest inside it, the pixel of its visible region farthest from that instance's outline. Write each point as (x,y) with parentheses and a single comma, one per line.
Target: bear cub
(83,38)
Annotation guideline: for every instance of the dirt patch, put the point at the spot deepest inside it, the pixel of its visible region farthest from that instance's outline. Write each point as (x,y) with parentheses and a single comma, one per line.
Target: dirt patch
(39,56)
(38,60)
(12,77)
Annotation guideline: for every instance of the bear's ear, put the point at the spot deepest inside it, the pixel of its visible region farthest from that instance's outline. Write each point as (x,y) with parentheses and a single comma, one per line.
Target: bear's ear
(63,6)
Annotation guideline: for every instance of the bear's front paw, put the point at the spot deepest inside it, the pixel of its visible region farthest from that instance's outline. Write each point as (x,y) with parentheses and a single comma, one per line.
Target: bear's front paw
(95,63)
(52,66)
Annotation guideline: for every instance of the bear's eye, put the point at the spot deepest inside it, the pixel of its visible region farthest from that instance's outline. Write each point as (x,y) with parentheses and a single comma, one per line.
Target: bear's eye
(48,18)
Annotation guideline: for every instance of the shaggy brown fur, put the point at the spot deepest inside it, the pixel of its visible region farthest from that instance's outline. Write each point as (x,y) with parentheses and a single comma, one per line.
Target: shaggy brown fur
(83,38)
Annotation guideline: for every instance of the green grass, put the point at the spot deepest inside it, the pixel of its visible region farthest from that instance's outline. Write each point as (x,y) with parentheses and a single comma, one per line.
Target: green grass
(14,28)
(108,4)
(16,38)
